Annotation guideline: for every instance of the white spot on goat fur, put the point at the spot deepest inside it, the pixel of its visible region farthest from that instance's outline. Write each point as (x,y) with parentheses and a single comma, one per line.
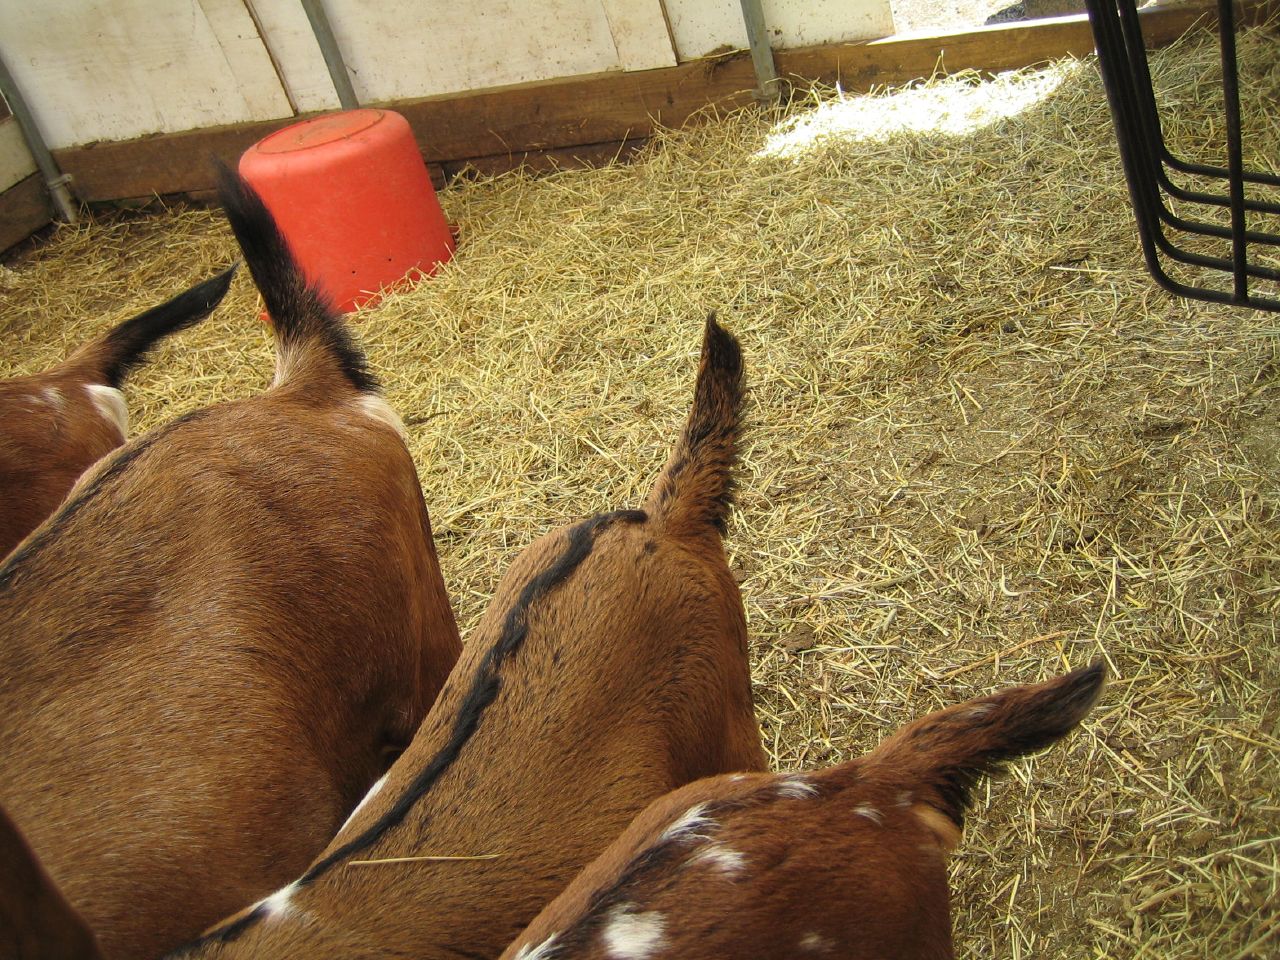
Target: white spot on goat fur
(690,825)
(279,903)
(363,800)
(904,799)
(870,812)
(633,936)
(542,951)
(53,396)
(719,857)
(110,403)
(979,710)
(374,406)
(796,787)
(816,942)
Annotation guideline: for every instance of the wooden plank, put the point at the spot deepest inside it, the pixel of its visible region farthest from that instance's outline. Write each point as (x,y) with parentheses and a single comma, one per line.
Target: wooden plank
(396,49)
(640,34)
(16,161)
(24,209)
(247,55)
(603,108)
(612,107)
(167,163)
(702,26)
(991,49)
(288,37)
(111,69)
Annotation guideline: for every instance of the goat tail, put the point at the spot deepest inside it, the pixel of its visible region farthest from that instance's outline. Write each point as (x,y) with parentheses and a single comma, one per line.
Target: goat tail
(944,755)
(311,338)
(110,358)
(694,492)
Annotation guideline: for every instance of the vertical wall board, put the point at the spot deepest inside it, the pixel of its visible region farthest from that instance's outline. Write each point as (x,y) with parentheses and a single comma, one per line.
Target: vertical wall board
(117,69)
(247,57)
(287,34)
(640,34)
(406,49)
(703,26)
(16,162)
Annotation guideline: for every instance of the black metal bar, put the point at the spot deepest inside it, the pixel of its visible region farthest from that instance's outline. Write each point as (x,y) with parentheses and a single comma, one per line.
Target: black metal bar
(1147,162)
(1235,154)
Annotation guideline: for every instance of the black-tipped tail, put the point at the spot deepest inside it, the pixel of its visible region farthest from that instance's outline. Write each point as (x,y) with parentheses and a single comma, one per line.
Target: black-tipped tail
(110,358)
(694,492)
(311,337)
(947,752)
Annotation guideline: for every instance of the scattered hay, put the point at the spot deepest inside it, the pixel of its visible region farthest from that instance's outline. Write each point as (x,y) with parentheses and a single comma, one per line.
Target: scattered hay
(985,447)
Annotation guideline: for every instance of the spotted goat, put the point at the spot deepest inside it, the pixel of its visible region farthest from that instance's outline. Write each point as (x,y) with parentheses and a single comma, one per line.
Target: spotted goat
(223,637)
(60,422)
(848,862)
(610,668)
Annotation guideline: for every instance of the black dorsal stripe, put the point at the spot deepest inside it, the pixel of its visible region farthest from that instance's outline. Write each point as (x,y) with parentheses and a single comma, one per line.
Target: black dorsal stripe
(485,686)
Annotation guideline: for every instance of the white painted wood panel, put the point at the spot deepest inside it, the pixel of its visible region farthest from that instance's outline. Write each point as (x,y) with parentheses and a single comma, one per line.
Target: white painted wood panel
(248,59)
(288,36)
(117,69)
(701,27)
(15,159)
(412,48)
(640,34)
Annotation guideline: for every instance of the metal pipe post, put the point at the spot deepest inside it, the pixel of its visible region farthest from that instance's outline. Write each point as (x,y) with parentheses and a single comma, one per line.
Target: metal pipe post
(323,31)
(767,86)
(54,178)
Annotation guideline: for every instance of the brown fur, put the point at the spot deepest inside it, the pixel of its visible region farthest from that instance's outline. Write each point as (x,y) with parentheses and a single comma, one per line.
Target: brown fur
(631,680)
(851,865)
(211,647)
(46,444)
(36,922)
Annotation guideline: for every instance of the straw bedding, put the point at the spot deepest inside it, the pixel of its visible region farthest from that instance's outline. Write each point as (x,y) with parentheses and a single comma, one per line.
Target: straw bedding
(984,447)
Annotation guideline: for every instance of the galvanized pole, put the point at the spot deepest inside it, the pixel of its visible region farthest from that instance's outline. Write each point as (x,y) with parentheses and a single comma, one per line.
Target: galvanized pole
(321,27)
(767,86)
(54,178)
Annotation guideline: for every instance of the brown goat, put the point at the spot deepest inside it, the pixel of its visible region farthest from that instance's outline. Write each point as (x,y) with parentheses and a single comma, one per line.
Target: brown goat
(210,649)
(610,668)
(36,922)
(848,862)
(60,422)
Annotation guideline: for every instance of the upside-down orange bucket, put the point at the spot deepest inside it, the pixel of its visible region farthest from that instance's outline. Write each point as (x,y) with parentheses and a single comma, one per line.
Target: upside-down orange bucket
(353,198)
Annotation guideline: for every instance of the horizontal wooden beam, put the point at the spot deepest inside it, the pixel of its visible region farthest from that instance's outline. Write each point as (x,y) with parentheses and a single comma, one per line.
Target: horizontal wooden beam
(24,208)
(860,66)
(518,122)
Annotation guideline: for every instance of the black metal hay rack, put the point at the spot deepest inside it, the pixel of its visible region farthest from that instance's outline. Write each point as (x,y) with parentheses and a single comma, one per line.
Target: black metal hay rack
(1149,165)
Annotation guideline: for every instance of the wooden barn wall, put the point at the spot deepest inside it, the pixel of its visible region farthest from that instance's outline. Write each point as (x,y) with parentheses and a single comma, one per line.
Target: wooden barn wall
(542,122)
(114,70)
(699,28)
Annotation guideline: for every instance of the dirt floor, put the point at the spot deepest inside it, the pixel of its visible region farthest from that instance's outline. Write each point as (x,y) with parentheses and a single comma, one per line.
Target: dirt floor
(984,448)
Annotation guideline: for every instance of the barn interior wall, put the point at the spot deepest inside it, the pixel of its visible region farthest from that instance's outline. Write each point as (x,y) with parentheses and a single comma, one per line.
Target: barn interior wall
(114,70)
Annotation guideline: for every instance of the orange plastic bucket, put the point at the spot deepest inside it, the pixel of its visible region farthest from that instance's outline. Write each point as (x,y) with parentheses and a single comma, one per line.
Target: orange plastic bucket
(354,200)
